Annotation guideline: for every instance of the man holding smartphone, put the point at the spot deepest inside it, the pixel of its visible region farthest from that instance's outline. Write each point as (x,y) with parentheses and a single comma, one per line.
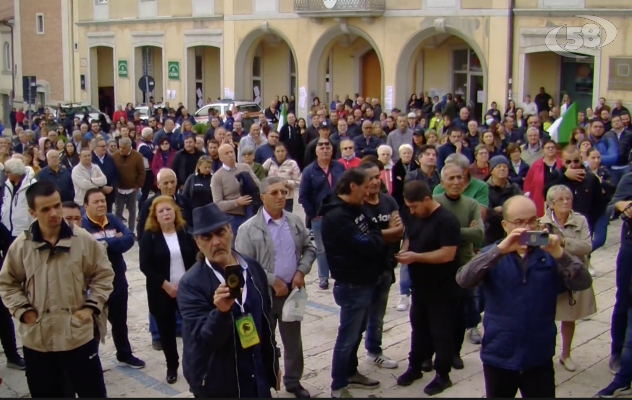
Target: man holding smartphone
(521,285)
(229,346)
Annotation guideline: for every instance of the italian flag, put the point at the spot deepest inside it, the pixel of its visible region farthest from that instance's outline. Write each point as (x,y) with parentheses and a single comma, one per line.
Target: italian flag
(282,117)
(561,129)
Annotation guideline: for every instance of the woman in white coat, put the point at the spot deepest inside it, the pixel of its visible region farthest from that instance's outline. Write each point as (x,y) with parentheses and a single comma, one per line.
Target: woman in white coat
(15,211)
(284,167)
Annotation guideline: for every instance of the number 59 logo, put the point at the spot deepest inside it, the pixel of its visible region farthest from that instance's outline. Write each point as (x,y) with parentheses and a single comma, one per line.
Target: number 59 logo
(588,35)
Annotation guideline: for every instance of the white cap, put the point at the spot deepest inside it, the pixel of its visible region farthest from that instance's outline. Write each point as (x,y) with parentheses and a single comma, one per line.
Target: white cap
(412,115)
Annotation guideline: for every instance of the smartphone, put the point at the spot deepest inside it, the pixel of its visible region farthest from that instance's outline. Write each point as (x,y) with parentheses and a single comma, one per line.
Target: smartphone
(234,280)
(534,238)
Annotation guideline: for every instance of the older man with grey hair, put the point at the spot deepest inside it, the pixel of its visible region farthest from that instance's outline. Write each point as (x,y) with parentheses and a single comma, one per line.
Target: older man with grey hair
(60,176)
(14,213)
(279,241)
(131,171)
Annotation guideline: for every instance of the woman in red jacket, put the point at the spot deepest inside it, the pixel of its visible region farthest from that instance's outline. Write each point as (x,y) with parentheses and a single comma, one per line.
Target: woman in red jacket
(163,157)
(539,172)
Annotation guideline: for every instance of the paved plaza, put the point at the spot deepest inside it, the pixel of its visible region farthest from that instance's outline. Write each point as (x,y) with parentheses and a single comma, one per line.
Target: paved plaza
(591,346)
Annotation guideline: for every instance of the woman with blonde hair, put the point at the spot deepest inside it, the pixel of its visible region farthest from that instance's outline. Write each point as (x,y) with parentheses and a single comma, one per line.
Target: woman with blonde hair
(572,228)
(167,251)
(197,187)
(431,137)
(379,133)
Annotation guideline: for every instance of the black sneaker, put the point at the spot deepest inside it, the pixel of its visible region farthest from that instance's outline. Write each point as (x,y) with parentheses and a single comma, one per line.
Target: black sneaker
(172,376)
(408,377)
(16,362)
(156,345)
(427,365)
(438,385)
(323,284)
(133,362)
(457,363)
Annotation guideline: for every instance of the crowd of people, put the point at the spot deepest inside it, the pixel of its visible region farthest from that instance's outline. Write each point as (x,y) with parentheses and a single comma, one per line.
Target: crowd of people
(428,190)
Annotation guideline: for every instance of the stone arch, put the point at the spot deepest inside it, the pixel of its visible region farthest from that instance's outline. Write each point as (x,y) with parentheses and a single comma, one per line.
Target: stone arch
(317,51)
(405,58)
(244,47)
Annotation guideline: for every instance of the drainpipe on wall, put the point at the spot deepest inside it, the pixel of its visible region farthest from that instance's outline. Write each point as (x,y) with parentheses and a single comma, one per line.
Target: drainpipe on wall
(6,23)
(510,48)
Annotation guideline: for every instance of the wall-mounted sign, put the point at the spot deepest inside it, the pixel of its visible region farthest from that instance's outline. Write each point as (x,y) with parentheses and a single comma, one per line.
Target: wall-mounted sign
(173,69)
(123,71)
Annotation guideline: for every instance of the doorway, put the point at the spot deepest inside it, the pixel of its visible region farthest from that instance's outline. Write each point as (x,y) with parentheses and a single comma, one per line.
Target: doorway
(577,79)
(371,75)
(468,80)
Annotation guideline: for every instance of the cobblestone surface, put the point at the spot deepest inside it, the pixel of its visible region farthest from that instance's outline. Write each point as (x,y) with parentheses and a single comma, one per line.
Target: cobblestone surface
(591,346)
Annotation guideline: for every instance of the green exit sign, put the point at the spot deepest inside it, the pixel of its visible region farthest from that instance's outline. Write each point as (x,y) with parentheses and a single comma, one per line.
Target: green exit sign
(173,69)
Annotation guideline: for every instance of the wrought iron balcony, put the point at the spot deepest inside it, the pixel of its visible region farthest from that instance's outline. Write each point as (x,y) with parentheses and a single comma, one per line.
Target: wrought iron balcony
(339,8)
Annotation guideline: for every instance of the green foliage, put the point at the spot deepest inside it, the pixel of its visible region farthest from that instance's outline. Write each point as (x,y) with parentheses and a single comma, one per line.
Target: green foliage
(200,129)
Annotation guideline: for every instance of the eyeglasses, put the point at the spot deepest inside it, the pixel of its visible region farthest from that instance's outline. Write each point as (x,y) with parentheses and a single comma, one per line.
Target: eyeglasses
(522,223)
(284,192)
(348,148)
(569,162)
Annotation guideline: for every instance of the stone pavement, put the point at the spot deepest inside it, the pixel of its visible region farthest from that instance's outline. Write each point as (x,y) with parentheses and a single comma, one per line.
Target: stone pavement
(591,346)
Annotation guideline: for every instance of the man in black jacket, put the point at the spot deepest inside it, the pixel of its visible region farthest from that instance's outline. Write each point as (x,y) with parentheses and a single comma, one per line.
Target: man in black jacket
(229,346)
(355,253)
(290,135)
(185,160)
(588,199)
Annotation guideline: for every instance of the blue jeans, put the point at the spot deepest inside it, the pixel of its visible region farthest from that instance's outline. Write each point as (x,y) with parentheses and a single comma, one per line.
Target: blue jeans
(600,230)
(354,302)
(289,205)
(377,310)
(405,284)
(617,174)
(624,376)
(620,310)
(235,223)
(153,328)
(471,308)
(321,257)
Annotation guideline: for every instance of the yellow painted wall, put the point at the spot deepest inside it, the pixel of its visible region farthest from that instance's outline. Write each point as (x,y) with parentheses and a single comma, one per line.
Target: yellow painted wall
(275,71)
(543,70)
(178,8)
(344,74)
(608,4)
(105,68)
(241,7)
(123,9)
(212,73)
(84,10)
(403,4)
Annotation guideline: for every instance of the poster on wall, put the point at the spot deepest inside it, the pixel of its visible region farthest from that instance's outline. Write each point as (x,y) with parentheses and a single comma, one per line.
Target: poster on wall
(584,78)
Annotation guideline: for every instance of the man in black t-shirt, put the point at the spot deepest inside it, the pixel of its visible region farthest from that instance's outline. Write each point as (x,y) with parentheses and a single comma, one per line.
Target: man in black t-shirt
(432,236)
(383,210)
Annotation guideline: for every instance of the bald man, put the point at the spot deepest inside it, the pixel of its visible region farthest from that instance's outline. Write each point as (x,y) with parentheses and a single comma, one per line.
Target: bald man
(227,185)
(167,185)
(520,285)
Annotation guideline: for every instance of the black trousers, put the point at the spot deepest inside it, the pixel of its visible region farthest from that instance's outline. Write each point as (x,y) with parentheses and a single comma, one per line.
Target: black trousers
(7,333)
(47,373)
(148,186)
(166,323)
(538,382)
(117,315)
(432,322)
(110,198)
(459,330)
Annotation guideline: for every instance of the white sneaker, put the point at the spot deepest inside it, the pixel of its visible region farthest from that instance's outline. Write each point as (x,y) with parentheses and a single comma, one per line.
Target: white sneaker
(381,361)
(592,271)
(404,302)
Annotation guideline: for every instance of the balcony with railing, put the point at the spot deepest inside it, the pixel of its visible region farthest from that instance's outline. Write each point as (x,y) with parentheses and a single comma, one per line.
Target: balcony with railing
(339,8)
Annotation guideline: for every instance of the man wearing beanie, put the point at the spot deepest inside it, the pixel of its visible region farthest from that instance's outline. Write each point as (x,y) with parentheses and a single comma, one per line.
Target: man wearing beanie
(500,190)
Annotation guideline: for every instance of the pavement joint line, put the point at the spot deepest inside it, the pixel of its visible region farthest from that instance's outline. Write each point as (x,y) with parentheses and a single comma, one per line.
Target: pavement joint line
(148,381)
(324,307)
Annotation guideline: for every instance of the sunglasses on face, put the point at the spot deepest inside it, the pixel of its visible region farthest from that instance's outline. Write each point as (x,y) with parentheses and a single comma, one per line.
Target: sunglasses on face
(569,162)
(347,148)
(324,144)
(284,192)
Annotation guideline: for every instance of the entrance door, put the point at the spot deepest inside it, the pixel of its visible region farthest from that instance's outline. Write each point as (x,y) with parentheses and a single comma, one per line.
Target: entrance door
(371,76)
(475,88)
(577,81)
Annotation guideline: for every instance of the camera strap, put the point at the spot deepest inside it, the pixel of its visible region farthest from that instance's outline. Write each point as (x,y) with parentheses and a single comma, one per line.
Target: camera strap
(244,292)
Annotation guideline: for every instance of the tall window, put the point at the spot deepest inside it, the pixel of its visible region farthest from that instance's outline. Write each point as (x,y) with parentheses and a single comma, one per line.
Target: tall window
(467,78)
(8,64)
(256,75)
(292,75)
(39,22)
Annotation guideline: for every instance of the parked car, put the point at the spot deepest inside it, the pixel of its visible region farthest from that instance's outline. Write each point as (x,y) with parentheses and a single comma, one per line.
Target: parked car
(82,109)
(222,106)
(144,111)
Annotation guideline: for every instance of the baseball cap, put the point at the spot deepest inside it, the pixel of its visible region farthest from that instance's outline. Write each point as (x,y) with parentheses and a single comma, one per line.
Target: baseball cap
(412,115)
(418,132)
(324,125)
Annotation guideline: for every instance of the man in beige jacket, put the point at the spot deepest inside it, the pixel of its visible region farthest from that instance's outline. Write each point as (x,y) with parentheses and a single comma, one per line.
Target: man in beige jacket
(45,287)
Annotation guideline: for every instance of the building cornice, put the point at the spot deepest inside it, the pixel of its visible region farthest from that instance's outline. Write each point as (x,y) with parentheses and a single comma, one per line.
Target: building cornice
(548,12)
(157,20)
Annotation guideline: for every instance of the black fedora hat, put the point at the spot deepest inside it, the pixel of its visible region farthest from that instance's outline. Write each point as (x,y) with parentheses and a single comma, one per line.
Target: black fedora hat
(207,219)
